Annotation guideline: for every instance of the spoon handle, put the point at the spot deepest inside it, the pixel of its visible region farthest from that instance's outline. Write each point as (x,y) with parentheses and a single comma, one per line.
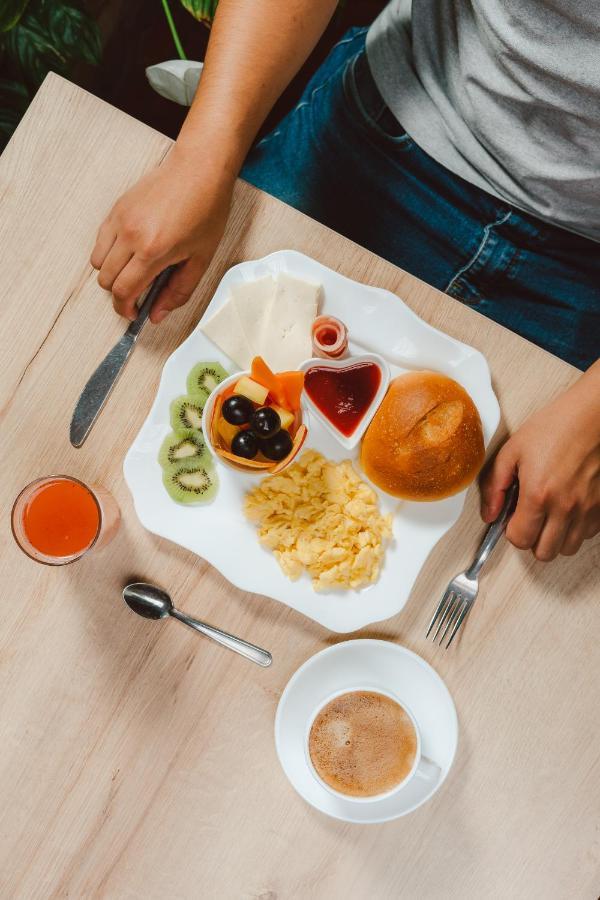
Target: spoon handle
(249,651)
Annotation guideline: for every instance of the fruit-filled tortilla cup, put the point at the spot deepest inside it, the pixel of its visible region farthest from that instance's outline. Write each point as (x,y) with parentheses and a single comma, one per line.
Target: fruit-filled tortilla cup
(216,443)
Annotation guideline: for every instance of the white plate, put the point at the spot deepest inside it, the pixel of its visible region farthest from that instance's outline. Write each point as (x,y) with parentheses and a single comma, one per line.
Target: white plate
(378,664)
(385,326)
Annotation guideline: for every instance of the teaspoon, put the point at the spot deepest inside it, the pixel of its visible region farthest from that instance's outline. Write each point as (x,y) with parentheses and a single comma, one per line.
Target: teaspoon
(153,603)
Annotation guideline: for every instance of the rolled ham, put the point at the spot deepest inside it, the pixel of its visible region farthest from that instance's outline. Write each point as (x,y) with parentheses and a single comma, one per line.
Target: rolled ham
(329,337)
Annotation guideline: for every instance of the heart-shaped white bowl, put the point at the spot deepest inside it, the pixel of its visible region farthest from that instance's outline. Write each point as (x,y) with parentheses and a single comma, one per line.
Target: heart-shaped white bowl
(354,438)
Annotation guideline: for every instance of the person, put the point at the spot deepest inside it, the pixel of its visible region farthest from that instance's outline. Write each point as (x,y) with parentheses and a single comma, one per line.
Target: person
(457,139)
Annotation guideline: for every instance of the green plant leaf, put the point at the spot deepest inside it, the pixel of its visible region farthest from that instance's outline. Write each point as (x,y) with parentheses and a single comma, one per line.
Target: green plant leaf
(10,13)
(31,53)
(14,100)
(74,31)
(50,37)
(203,10)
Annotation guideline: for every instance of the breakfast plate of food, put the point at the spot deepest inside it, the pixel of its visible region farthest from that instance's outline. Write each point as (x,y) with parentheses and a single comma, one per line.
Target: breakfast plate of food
(313,439)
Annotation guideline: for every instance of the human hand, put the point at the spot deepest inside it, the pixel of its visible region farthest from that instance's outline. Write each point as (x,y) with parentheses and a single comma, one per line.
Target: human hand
(556,456)
(174,214)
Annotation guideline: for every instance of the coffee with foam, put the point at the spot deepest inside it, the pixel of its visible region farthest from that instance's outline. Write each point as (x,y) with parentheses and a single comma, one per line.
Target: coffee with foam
(362,744)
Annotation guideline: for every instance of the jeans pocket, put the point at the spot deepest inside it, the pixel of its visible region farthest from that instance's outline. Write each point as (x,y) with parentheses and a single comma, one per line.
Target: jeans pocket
(368,106)
(335,63)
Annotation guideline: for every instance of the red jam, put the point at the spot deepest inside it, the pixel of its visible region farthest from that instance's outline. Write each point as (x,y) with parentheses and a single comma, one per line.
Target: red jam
(343,395)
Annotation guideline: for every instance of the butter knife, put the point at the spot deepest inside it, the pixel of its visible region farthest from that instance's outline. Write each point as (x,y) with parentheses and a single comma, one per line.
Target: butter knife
(97,390)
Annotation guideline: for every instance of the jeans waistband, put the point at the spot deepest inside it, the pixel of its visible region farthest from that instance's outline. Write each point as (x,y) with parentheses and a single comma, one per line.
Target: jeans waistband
(372,99)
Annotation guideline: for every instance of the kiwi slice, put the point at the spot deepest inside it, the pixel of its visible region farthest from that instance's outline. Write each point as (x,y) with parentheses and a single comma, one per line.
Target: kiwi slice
(204,378)
(183,447)
(193,482)
(186,413)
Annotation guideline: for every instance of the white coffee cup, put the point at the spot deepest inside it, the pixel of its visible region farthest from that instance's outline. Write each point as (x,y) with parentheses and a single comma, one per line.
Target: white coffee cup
(422,768)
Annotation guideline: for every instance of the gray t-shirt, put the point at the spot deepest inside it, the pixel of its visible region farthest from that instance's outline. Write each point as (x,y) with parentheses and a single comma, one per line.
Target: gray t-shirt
(505,93)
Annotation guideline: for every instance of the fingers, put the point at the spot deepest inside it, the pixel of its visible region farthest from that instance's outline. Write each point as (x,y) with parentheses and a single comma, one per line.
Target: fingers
(114,262)
(527,521)
(574,539)
(549,524)
(131,282)
(121,270)
(128,275)
(106,237)
(179,289)
(592,527)
(497,480)
(552,537)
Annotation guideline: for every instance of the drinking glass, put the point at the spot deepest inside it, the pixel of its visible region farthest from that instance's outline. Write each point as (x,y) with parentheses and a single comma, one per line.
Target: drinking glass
(65,517)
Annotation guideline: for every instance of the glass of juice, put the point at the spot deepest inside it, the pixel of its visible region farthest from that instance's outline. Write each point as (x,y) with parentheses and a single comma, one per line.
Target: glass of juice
(57,519)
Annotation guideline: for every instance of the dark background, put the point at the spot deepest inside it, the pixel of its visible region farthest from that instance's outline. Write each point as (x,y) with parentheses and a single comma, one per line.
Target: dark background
(136,35)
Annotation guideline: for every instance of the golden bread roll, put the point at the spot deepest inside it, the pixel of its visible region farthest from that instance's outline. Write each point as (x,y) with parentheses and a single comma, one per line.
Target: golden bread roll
(425,441)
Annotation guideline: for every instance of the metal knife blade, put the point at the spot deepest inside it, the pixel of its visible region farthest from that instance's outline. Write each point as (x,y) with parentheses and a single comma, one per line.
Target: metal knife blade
(98,389)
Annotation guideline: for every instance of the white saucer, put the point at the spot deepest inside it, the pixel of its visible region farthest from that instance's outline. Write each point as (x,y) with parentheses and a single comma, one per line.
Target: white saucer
(377,663)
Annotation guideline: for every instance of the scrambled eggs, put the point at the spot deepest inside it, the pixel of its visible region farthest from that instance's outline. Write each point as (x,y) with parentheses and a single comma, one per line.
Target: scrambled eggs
(320,516)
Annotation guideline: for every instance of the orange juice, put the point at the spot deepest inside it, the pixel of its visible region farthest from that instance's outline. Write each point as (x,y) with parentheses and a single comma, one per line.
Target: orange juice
(55,520)
(61,518)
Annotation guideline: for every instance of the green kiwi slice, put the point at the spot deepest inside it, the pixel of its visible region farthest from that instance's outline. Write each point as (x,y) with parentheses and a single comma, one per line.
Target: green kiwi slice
(183,447)
(186,413)
(193,482)
(204,378)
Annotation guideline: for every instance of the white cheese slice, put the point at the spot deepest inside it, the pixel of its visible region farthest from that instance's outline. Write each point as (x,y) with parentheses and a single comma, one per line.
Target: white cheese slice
(253,300)
(286,339)
(225,330)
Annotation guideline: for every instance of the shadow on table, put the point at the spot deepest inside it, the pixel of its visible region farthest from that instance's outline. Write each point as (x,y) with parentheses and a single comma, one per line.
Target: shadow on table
(146,661)
(97,582)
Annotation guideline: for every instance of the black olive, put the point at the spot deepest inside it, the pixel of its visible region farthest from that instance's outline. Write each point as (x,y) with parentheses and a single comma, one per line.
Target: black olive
(278,446)
(237,410)
(265,422)
(245,444)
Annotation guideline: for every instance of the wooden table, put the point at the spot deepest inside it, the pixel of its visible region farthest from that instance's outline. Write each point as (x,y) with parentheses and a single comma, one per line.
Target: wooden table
(137,760)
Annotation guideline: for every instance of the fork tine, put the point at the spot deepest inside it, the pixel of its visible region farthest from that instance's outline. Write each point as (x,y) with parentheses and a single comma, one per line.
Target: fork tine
(447,614)
(440,607)
(460,600)
(459,622)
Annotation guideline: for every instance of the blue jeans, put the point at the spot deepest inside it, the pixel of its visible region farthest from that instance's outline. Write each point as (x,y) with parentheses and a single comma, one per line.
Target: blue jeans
(342,158)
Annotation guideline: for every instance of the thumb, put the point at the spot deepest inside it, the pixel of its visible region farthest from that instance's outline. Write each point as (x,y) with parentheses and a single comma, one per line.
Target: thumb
(179,289)
(497,479)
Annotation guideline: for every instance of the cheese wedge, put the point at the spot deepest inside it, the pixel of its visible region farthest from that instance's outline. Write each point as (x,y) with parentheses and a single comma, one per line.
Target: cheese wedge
(286,340)
(252,300)
(225,330)
(268,317)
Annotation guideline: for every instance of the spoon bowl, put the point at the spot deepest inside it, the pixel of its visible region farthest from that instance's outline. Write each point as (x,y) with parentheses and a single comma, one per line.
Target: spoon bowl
(147,600)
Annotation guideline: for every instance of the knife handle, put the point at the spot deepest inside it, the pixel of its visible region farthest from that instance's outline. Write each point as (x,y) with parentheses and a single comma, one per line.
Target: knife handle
(148,302)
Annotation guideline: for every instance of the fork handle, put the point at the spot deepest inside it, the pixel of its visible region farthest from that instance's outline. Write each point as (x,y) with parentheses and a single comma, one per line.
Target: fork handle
(494,532)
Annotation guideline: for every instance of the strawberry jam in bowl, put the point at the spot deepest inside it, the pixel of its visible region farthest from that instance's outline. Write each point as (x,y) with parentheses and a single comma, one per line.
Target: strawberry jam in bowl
(345,394)
(252,421)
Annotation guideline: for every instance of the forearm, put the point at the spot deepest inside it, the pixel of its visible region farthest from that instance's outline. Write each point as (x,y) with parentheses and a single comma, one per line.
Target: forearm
(591,380)
(584,400)
(176,214)
(255,49)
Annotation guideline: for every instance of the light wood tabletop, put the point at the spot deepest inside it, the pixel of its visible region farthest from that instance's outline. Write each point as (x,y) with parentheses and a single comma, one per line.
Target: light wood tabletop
(137,759)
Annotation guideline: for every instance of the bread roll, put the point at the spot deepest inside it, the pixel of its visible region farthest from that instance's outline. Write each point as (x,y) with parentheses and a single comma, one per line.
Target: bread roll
(425,441)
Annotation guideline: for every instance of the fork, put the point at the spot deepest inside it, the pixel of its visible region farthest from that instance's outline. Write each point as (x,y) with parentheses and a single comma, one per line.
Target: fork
(461,593)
